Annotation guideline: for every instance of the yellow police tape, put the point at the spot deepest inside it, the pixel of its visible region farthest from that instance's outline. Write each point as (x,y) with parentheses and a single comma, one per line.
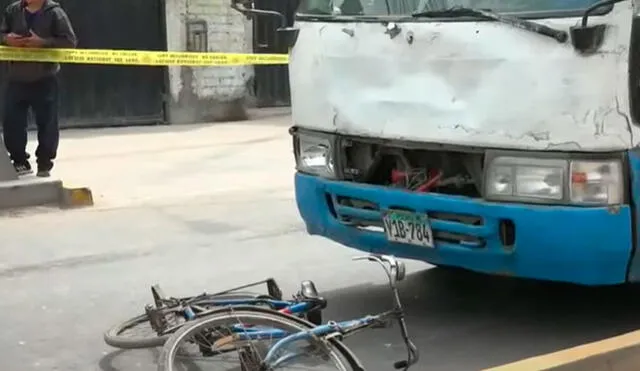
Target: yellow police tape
(138,57)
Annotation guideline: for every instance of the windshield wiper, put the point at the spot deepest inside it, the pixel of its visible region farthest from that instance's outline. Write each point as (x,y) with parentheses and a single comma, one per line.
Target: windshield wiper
(459,11)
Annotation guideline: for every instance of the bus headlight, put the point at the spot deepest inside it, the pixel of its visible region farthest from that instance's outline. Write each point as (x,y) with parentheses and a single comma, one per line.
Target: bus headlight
(554,181)
(314,155)
(516,178)
(596,182)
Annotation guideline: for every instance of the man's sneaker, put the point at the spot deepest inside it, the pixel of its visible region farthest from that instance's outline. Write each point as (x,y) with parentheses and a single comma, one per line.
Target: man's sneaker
(44,169)
(43,173)
(22,168)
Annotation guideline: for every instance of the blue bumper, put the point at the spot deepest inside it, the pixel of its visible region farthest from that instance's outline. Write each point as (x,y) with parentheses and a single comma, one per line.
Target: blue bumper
(589,246)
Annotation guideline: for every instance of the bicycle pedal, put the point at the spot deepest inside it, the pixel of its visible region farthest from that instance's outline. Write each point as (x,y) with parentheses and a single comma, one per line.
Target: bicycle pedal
(158,295)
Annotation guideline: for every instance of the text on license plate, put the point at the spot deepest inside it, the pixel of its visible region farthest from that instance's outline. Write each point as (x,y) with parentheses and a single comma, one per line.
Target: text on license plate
(409,228)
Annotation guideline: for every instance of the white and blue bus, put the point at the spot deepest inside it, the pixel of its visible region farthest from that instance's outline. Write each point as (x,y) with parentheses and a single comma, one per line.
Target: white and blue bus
(495,136)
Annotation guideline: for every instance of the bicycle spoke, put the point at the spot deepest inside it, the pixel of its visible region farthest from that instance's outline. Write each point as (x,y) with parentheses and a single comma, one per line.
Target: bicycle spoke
(234,344)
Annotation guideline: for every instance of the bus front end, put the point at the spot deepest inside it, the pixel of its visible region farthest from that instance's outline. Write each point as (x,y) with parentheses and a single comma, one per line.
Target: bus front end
(495,136)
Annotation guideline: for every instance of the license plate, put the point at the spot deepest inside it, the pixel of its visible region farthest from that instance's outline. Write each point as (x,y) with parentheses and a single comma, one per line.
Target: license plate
(409,228)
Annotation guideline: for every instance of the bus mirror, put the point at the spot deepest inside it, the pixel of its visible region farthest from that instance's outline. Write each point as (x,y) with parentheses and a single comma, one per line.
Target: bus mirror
(587,39)
(288,36)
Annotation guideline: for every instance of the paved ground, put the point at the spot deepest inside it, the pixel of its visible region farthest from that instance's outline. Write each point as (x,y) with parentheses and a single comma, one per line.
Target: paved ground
(209,206)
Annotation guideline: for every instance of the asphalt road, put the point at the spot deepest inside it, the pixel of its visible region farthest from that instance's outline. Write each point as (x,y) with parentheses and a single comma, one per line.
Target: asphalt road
(65,277)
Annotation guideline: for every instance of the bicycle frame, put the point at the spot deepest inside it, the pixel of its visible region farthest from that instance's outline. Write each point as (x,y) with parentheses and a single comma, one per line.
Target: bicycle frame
(306,300)
(160,299)
(343,328)
(286,307)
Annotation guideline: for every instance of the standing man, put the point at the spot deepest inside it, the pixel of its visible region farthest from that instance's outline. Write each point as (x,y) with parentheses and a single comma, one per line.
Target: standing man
(33,24)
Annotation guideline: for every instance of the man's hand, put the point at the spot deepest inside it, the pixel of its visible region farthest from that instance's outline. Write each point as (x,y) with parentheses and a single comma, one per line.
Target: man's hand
(33,41)
(15,40)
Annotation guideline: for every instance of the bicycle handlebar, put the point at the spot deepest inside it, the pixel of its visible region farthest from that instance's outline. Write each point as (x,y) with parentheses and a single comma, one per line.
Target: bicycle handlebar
(396,271)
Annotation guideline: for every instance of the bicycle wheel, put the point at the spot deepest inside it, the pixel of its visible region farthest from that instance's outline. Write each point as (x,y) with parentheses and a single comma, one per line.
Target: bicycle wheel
(137,333)
(208,344)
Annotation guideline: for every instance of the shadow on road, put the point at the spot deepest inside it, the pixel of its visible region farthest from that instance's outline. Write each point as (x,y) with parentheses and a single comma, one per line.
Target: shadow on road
(466,321)
(121,360)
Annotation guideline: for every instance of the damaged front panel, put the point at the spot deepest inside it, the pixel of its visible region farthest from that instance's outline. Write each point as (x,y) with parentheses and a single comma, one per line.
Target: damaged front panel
(417,170)
(468,83)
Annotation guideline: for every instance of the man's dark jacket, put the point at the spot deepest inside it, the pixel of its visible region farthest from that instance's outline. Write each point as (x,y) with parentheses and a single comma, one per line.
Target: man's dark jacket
(51,24)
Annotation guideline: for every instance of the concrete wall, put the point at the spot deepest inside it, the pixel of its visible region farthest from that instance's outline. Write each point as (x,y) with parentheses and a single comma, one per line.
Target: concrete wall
(205,94)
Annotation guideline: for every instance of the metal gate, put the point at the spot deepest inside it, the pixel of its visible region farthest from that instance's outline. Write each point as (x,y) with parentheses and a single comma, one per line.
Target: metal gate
(272,82)
(98,95)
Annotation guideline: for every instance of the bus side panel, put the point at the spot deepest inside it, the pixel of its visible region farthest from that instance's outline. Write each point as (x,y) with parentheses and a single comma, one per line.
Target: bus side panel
(634,179)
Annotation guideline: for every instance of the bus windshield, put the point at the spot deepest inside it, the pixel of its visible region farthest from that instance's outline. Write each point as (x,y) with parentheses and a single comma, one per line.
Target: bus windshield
(407,7)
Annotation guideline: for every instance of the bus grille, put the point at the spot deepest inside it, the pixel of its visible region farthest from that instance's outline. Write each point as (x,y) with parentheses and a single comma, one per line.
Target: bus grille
(459,229)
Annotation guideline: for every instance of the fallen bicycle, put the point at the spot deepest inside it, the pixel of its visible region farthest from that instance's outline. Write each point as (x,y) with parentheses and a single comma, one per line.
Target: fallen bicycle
(167,315)
(262,339)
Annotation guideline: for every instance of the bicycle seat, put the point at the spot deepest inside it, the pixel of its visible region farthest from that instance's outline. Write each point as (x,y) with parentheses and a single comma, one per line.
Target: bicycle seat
(308,290)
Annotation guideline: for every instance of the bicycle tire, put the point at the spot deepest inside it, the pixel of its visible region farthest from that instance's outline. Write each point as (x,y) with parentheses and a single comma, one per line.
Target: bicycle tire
(114,338)
(167,354)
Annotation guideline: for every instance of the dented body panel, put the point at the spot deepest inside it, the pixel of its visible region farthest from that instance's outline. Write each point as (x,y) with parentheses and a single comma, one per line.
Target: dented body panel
(470,83)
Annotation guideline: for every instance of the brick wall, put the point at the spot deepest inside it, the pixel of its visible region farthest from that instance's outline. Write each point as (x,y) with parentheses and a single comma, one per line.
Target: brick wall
(205,94)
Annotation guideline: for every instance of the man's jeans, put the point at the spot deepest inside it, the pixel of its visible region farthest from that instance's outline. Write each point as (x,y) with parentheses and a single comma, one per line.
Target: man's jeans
(42,97)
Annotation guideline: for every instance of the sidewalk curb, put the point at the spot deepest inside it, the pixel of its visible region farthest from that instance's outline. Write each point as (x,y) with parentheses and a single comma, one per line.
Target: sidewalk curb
(620,353)
(71,198)
(268,112)
(32,192)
